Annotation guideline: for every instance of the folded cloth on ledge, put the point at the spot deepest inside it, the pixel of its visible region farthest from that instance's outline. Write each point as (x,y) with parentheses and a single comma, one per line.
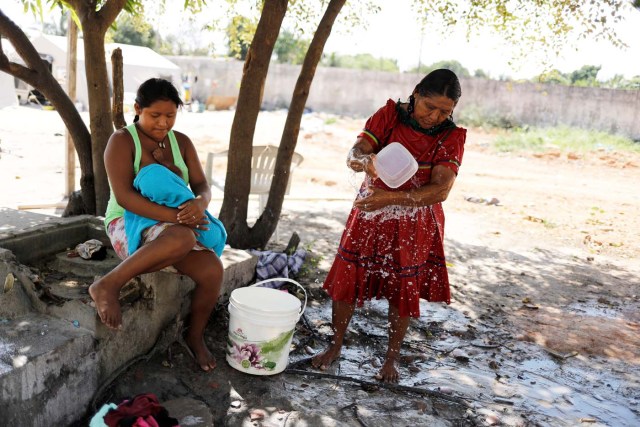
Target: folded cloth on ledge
(158,184)
(277,264)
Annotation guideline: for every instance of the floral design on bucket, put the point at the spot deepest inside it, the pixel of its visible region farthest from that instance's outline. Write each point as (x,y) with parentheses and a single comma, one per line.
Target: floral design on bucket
(257,355)
(247,355)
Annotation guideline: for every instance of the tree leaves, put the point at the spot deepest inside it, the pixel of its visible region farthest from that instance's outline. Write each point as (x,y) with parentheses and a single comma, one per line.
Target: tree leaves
(540,27)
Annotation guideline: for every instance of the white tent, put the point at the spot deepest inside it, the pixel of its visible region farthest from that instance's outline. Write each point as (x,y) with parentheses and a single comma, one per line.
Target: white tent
(139,64)
(8,95)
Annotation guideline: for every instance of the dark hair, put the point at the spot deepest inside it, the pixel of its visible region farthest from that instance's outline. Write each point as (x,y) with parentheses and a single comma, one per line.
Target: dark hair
(156,90)
(441,82)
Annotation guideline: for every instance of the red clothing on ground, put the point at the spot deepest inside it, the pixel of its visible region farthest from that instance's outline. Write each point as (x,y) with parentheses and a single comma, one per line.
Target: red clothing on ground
(397,252)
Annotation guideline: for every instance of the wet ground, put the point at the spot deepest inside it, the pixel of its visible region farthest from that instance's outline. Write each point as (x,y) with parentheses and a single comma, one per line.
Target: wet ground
(544,324)
(505,352)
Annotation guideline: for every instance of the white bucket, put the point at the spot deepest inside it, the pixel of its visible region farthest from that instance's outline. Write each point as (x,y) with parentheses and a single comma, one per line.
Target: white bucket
(261,326)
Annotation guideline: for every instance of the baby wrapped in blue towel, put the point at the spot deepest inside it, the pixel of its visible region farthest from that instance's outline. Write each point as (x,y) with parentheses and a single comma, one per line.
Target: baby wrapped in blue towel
(160,185)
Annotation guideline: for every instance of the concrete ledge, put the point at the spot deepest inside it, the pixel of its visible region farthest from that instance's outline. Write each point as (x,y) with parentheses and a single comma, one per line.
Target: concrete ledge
(33,236)
(53,381)
(47,371)
(239,270)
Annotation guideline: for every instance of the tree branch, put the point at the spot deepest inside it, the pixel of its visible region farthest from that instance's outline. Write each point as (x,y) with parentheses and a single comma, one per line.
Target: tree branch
(4,60)
(21,44)
(19,71)
(109,12)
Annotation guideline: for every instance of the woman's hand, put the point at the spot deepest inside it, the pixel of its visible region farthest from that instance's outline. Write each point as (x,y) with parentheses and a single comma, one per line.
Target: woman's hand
(363,164)
(191,214)
(375,199)
(361,157)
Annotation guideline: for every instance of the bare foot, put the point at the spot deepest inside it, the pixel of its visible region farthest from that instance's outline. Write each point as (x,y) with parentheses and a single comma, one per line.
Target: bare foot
(201,353)
(323,360)
(388,373)
(107,303)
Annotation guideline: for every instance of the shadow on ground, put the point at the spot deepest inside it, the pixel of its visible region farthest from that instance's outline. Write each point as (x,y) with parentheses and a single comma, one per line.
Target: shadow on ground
(531,338)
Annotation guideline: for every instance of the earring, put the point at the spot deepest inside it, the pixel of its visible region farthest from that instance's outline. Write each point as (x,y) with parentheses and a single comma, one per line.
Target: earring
(136,118)
(412,101)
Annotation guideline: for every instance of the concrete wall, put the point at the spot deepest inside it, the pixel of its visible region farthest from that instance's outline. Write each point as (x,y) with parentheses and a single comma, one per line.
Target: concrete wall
(609,110)
(55,357)
(360,93)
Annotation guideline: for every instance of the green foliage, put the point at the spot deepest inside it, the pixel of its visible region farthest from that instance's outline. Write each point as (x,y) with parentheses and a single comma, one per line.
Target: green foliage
(240,33)
(363,61)
(134,30)
(562,138)
(290,49)
(531,30)
(586,77)
(555,77)
(619,82)
(450,64)
(475,116)
(480,74)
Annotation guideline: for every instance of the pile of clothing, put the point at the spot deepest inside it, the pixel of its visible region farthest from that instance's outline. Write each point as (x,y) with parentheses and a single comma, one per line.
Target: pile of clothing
(143,410)
(276,264)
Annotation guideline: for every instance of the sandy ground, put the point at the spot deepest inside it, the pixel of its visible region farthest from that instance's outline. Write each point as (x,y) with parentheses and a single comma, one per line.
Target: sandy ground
(546,283)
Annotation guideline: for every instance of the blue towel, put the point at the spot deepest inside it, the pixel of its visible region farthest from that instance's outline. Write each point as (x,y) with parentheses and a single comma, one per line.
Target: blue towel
(158,184)
(98,418)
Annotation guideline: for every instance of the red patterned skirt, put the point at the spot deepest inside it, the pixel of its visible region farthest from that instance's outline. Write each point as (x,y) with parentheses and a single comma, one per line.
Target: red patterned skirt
(396,253)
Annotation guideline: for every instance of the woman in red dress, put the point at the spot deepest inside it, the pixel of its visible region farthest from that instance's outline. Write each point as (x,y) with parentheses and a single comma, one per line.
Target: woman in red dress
(392,245)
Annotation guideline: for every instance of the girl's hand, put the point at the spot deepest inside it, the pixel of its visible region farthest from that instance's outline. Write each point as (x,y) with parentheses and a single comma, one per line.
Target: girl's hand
(375,199)
(192,213)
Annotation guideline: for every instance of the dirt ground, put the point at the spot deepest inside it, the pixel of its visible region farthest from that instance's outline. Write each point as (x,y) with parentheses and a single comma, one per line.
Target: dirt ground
(544,324)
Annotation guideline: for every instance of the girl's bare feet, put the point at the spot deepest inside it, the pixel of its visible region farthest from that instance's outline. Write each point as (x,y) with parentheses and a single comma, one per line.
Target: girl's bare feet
(201,353)
(323,360)
(389,372)
(107,303)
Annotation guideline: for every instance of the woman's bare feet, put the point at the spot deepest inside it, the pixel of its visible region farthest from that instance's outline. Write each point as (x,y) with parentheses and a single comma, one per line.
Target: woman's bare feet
(323,360)
(107,304)
(389,372)
(201,353)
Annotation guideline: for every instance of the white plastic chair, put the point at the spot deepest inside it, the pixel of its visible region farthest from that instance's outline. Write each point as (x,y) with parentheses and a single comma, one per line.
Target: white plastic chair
(263,163)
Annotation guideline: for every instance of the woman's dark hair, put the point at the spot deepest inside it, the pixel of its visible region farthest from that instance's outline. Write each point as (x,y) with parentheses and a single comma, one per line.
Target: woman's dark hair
(441,82)
(156,90)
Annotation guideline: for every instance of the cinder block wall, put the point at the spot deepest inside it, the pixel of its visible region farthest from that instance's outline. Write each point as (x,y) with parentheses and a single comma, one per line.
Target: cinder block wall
(360,93)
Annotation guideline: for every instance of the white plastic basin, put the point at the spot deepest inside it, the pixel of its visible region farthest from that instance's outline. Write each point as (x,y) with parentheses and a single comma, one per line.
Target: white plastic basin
(395,165)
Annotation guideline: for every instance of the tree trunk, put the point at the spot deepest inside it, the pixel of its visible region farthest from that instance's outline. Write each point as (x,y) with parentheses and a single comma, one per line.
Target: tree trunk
(268,221)
(233,212)
(99,111)
(97,22)
(37,75)
(118,89)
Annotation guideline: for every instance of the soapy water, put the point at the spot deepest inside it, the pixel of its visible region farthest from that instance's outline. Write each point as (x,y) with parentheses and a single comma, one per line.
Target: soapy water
(7,350)
(359,181)
(355,179)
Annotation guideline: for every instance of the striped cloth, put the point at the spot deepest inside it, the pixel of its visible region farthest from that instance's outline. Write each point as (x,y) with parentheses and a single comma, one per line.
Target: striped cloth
(277,264)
